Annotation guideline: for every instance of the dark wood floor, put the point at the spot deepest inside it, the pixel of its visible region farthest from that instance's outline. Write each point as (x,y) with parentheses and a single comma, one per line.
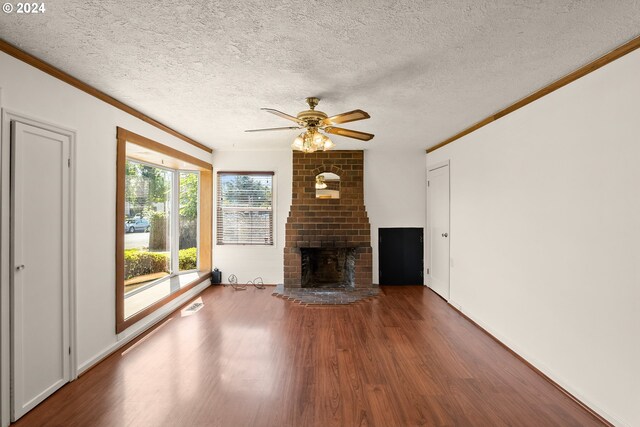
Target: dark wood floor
(247,358)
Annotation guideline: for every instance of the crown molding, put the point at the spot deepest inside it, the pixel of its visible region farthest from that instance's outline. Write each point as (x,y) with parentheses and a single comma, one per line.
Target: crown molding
(78,84)
(618,52)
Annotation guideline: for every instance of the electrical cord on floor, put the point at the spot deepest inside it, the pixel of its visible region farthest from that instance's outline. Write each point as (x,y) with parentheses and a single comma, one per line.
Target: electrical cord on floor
(258,283)
(233,281)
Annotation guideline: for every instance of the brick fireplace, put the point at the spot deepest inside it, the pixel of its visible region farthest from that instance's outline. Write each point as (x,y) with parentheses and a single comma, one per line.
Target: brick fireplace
(328,241)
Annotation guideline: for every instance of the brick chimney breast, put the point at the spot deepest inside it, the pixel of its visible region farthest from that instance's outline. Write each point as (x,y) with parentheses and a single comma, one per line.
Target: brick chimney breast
(328,223)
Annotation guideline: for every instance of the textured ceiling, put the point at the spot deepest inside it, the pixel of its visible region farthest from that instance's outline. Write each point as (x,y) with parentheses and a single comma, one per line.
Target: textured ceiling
(424,70)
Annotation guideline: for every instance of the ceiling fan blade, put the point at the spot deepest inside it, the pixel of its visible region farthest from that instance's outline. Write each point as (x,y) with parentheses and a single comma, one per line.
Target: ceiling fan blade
(266,129)
(349,133)
(283,115)
(349,116)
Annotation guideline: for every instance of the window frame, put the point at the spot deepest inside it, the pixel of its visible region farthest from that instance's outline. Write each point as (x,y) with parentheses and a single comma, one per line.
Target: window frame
(205,223)
(219,208)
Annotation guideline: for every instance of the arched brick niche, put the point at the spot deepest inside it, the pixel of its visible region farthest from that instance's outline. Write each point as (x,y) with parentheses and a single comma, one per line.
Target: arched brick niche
(319,225)
(328,167)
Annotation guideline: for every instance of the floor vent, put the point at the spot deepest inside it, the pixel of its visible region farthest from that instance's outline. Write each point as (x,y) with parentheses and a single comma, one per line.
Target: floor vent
(193,308)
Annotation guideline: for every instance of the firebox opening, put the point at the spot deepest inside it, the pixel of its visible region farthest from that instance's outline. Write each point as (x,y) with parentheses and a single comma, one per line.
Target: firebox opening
(328,268)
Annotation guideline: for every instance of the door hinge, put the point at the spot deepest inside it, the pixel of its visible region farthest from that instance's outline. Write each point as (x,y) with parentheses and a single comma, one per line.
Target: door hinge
(427,271)
(69,162)
(428,182)
(69,350)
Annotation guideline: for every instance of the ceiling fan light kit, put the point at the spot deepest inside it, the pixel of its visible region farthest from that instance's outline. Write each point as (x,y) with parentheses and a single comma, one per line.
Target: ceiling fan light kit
(314,121)
(311,141)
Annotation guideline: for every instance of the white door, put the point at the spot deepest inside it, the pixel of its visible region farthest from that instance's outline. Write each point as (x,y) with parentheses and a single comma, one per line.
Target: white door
(40,273)
(438,220)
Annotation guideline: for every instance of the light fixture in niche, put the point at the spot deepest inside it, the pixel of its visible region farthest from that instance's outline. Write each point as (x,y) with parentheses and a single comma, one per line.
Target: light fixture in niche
(320,184)
(327,186)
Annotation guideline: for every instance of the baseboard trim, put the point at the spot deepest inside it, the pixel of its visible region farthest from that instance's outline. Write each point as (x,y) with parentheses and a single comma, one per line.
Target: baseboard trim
(142,327)
(583,405)
(244,284)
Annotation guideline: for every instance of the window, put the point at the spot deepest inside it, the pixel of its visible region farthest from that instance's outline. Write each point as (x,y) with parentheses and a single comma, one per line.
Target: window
(147,228)
(149,248)
(245,208)
(163,226)
(188,221)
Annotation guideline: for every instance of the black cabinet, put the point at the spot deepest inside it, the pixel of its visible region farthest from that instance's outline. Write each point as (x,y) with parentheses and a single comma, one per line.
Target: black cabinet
(400,256)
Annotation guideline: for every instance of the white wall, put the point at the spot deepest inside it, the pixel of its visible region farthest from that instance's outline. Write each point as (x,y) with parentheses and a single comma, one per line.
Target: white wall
(30,92)
(545,235)
(394,192)
(245,261)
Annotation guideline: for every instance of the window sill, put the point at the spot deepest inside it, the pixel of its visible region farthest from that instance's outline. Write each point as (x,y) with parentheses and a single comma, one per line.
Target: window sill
(138,305)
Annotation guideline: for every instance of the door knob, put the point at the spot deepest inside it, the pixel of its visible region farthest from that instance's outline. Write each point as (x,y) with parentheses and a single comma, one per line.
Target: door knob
(445,234)
(20,267)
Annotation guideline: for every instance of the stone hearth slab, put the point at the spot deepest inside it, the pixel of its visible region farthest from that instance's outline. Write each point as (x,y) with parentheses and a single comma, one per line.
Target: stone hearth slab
(324,296)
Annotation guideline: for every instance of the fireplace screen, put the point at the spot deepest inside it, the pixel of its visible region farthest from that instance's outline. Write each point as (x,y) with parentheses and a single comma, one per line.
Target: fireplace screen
(328,268)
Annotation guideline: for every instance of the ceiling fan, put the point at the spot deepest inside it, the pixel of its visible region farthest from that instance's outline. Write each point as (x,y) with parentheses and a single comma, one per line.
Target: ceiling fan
(313,122)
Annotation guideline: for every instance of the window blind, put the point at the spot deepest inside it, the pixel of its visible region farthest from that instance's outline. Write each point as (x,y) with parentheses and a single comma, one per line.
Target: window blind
(245,208)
